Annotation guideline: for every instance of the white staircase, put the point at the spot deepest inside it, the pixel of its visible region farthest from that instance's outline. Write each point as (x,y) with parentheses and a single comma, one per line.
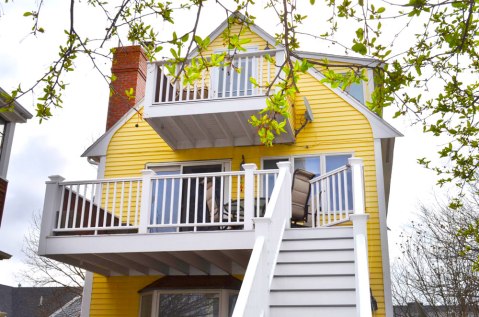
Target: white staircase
(314,274)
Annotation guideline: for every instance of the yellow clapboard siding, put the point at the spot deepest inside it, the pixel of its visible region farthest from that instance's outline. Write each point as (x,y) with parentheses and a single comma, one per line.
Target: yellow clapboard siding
(337,128)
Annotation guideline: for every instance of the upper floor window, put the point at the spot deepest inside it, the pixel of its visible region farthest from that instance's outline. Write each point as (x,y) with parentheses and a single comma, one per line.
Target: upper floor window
(234,81)
(356,90)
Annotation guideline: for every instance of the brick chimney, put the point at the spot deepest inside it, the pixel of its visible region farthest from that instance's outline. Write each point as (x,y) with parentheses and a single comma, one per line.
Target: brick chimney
(129,67)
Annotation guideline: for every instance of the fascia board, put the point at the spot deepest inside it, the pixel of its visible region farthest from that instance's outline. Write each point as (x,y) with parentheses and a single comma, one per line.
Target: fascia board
(19,114)
(100,146)
(338,58)
(381,129)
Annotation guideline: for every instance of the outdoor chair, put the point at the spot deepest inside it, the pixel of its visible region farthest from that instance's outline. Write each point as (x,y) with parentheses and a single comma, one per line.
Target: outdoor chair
(300,191)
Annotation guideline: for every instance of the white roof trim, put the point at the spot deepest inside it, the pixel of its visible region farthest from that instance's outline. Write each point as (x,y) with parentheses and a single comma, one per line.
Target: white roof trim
(19,114)
(256,29)
(338,58)
(381,129)
(100,147)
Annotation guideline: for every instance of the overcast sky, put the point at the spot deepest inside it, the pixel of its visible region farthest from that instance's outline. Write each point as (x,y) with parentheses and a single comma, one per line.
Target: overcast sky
(54,146)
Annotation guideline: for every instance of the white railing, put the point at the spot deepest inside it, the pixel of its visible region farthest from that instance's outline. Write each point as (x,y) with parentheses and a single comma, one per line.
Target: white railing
(92,206)
(209,200)
(331,199)
(253,298)
(158,203)
(229,81)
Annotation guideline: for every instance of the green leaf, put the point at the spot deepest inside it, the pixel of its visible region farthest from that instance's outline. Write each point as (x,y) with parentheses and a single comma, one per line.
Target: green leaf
(27,14)
(360,48)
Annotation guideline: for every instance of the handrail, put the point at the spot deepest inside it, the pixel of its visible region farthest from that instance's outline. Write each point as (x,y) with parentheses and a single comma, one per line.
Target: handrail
(253,298)
(235,55)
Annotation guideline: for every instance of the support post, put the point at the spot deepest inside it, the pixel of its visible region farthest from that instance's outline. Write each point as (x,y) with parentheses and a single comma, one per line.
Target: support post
(51,206)
(286,166)
(145,200)
(363,295)
(249,195)
(359,206)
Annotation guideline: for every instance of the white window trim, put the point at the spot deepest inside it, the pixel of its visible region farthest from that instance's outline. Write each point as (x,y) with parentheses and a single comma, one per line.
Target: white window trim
(322,156)
(223,298)
(225,163)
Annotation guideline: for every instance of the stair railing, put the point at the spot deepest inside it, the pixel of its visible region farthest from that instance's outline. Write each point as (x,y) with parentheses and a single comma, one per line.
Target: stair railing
(359,220)
(253,298)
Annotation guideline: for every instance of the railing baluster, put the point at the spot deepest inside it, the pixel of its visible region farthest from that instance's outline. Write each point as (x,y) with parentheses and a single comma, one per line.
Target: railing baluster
(98,206)
(67,219)
(205,181)
(346,194)
(172,201)
(163,202)
(113,208)
(258,178)
(137,209)
(130,191)
(162,76)
(107,196)
(333,181)
(197,185)
(261,63)
(188,196)
(238,82)
(246,77)
(224,82)
(203,75)
(230,193)
(238,198)
(82,216)
(122,201)
(312,199)
(213,200)
(340,196)
(180,201)
(168,85)
(90,209)
(60,213)
(220,207)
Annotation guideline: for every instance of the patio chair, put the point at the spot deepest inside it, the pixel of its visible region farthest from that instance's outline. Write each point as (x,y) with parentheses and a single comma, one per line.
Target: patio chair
(300,191)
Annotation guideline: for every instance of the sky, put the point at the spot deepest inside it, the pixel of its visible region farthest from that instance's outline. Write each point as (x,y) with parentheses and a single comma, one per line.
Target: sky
(53,147)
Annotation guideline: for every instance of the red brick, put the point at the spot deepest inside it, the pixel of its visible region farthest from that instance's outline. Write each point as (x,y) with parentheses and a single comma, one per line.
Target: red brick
(129,66)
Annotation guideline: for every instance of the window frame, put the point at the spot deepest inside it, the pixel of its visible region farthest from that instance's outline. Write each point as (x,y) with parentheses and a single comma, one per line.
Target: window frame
(224,295)
(322,159)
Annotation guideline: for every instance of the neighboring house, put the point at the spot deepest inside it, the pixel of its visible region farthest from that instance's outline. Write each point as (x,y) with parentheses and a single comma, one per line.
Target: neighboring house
(416,309)
(191,216)
(8,119)
(38,301)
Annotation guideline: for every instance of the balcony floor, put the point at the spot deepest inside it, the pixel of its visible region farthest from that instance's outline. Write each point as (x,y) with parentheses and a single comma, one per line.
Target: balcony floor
(188,253)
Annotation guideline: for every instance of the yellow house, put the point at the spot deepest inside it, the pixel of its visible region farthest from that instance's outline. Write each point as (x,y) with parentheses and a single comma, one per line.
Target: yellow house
(192,216)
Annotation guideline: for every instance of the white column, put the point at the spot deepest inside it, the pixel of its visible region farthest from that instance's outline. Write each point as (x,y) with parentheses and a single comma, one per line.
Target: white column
(51,206)
(358,185)
(145,200)
(363,296)
(286,167)
(249,195)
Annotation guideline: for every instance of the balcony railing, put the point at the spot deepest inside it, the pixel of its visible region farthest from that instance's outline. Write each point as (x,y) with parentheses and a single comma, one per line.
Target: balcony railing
(188,202)
(229,81)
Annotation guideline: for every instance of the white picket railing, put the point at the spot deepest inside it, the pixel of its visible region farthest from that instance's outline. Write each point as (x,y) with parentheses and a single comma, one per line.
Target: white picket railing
(229,81)
(90,206)
(160,203)
(331,197)
(253,298)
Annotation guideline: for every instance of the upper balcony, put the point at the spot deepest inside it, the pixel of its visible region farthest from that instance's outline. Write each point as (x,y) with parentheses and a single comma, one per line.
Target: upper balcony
(214,111)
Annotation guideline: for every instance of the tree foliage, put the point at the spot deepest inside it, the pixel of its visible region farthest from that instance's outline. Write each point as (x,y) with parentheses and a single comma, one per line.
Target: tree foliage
(434,268)
(426,54)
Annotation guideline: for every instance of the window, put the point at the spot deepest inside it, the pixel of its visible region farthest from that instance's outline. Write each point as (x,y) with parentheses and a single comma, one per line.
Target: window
(228,82)
(319,165)
(356,90)
(188,303)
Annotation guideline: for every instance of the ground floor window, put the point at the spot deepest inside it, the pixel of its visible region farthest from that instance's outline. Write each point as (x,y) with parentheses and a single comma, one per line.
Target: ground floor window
(188,303)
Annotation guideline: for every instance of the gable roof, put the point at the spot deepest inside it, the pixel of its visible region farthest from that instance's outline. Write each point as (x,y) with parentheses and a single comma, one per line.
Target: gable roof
(381,129)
